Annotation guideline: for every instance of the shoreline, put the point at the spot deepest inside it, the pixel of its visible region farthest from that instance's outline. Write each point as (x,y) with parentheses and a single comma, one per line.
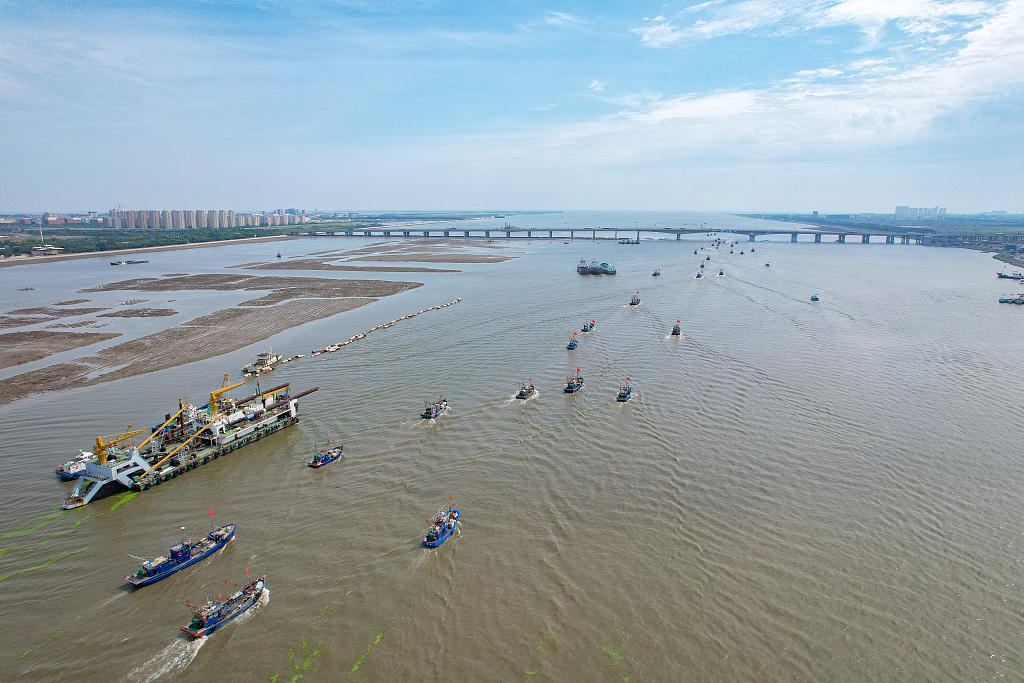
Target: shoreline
(29,260)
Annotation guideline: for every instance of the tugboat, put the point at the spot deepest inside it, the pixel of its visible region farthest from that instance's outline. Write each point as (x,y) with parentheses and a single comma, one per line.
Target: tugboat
(526,390)
(583,268)
(217,613)
(588,327)
(1016,275)
(605,269)
(73,468)
(675,329)
(182,555)
(573,383)
(442,526)
(573,344)
(657,272)
(432,410)
(635,301)
(326,456)
(625,393)
(265,362)
(814,297)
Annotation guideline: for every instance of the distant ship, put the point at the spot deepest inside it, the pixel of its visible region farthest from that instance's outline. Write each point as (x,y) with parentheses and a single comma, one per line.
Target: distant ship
(588,327)
(635,301)
(1016,275)
(657,272)
(625,393)
(265,362)
(675,330)
(442,526)
(814,297)
(126,263)
(573,383)
(573,344)
(583,268)
(526,391)
(326,456)
(432,410)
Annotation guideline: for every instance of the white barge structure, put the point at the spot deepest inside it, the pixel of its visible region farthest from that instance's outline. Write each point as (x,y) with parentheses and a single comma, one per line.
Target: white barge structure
(191,437)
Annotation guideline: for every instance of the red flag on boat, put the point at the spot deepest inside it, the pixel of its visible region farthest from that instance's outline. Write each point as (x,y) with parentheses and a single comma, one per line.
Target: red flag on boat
(450,498)
(247,570)
(577,369)
(211,511)
(627,379)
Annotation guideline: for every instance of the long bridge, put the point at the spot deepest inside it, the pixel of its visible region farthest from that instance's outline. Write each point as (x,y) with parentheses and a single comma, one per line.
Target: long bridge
(513,232)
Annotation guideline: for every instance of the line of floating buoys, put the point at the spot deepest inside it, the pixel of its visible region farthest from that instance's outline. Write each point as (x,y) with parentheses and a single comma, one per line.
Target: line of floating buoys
(383,326)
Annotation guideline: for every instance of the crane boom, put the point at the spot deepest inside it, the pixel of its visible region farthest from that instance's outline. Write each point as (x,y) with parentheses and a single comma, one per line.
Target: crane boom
(183,444)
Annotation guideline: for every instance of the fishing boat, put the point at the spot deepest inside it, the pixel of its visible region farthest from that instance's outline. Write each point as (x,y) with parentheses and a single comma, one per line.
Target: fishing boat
(589,327)
(74,468)
(752,250)
(657,272)
(741,253)
(814,297)
(721,273)
(442,526)
(583,268)
(573,383)
(675,330)
(625,393)
(635,301)
(700,275)
(1015,275)
(184,554)
(573,344)
(326,456)
(432,410)
(526,390)
(265,362)
(278,254)
(216,613)
(767,265)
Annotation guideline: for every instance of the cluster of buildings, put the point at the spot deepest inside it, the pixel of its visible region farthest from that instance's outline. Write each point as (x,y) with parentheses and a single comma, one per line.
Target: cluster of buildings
(187,219)
(919,212)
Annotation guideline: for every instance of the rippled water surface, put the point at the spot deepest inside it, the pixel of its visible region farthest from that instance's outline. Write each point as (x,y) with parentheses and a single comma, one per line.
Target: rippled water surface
(798,491)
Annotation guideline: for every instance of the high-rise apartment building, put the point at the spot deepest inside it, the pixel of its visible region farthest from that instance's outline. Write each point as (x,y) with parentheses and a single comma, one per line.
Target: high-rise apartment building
(222,219)
(231,220)
(211,219)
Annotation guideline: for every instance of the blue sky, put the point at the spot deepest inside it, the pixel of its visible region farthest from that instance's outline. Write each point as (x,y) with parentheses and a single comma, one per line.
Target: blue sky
(743,105)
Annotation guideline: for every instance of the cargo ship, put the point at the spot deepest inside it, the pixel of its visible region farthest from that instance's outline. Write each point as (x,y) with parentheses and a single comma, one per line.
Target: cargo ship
(191,437)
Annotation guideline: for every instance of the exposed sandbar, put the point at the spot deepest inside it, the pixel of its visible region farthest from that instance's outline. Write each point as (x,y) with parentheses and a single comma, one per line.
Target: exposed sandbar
(72,302)
(139,313)
(436,258)
(22,347)
(321,264)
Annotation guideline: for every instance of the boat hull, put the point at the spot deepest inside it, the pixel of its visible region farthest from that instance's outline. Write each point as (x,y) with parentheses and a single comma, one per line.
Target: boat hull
(327,461)
(241,609)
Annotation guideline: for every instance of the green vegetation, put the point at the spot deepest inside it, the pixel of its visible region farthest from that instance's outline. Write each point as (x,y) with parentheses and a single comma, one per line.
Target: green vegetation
(76,241)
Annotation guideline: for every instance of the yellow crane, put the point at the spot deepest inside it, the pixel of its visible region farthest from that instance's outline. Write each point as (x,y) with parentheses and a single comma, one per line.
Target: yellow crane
(215,396)
(102,442)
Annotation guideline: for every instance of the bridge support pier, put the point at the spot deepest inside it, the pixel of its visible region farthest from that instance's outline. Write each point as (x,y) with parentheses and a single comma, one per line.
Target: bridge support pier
(865,239)
(593,234)
(529,233)
(572,235)
(465,233)
(406,233)
(679,235)
(841,239)
(446,233)
(551,233)
(792,238)
(487,233)
(508,233)
(751,237)
(890,239)
(387,233)
(817,237)
(348,233)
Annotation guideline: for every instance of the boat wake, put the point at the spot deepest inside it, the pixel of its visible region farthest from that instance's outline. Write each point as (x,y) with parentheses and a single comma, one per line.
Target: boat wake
(171,660)
(248,614)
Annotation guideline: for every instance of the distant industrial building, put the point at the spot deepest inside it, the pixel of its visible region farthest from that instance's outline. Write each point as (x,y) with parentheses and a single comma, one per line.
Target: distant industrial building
(188,219)
(919,212)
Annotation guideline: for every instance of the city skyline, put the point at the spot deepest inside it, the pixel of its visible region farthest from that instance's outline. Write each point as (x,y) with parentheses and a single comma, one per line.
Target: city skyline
(751,105)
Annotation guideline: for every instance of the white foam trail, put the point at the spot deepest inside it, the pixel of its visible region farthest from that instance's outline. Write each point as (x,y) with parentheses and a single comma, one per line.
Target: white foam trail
(172,659)
(263,600)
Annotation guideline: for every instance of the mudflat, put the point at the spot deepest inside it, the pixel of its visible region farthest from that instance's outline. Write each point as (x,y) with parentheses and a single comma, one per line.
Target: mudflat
(23,347)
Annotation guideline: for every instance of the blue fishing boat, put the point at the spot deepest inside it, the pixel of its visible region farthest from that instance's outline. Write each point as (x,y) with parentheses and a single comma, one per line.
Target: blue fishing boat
(571,346)
(589,327)
(442,526)
(700,275)
(625,393)
(217,613)
(814,297)
(675,330)
(326,456)
(182,555)
(1017,275)
(526,391)
(573,383)
(635,301)
(432,410)
(657,272)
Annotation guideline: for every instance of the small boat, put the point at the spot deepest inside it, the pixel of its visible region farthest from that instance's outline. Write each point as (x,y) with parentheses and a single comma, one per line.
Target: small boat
(675,330)
(1016,275)
(432,410)
(265,362)
(442,526)
(708,258)
(182,555)
(767,265)
(694,251)
(526,390)
(606,269)
(721,273)
(326,456)
(573,383)
(635,301)
(752,250)
(700,275)
(814,297)
(583,268)
(657,272)
(74,468)
(117,263)
(625,393)
(217,613)
(588,327)
(730,251)
(573,344)
(278,254)
(741,253)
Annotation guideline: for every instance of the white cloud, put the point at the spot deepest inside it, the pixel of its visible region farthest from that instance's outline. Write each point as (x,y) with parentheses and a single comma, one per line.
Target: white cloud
(658,32)
(545,107)
(596,85)
(562,19)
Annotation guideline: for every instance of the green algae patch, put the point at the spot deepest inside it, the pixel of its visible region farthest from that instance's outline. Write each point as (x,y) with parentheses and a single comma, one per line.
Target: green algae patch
(21,532)
(532,673)
(42,644)
(362,660)
(614,654)
(40,566)
(125,497)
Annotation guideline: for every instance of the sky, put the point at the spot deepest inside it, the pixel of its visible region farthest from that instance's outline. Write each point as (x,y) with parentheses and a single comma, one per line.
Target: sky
(732,105)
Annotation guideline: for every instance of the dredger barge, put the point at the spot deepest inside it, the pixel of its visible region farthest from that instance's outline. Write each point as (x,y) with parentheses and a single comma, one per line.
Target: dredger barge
(191,437)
